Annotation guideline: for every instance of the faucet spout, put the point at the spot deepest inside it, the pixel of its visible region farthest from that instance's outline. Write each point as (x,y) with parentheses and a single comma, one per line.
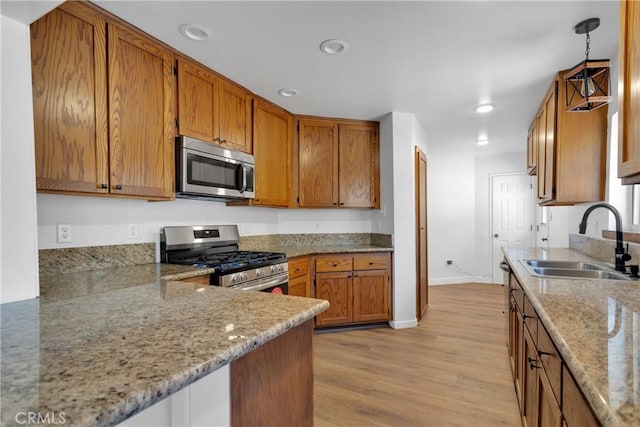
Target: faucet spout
(620,255)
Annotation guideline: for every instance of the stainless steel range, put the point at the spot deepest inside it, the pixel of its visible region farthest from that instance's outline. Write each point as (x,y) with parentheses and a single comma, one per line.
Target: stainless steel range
(216,246)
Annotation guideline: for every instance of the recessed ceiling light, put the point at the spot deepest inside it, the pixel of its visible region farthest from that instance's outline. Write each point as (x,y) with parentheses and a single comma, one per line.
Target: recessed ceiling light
(195,32)
(288,93)
(333,46)
(482,141)
(484,108)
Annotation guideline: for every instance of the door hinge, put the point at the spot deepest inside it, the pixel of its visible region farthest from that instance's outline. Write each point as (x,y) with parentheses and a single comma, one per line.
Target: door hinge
(177,123)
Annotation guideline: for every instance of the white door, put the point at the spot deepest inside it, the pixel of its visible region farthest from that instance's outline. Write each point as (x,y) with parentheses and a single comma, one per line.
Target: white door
(511,197)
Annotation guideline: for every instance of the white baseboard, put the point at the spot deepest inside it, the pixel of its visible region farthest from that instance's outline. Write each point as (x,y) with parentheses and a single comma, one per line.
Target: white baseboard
(403,324)
(460,279)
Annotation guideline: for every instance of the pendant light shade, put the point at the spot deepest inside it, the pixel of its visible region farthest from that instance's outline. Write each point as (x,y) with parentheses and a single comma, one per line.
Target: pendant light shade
(587,84)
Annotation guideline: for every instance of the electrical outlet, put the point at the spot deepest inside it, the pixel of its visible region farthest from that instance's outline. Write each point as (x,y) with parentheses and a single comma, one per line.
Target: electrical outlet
(64,233)
(449,262)
(133,231)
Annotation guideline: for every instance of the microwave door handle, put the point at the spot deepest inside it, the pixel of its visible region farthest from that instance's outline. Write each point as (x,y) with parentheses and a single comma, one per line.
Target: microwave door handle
(244,179)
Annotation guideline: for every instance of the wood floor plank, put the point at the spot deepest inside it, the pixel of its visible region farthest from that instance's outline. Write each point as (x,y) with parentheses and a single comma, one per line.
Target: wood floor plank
(452,370)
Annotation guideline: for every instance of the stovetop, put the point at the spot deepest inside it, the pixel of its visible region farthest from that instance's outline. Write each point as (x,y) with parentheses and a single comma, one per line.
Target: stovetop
(228,262)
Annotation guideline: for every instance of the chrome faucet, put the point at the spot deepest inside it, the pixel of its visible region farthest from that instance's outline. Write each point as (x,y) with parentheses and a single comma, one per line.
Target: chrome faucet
(621,256)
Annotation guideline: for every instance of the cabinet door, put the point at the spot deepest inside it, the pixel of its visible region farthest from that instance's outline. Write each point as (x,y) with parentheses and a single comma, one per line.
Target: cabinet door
(235,117)
(575,408)
(629,94)
(318,163)
(69,76)
(141,115)
(370,296)
(337,289)
(358,165)
(546,125)
(532,149)
(197,101)
(300,286)
(272,139)
(548,409)
(530,363)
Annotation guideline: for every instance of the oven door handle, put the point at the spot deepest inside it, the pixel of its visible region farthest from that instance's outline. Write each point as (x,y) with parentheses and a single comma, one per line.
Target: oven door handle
(281,280)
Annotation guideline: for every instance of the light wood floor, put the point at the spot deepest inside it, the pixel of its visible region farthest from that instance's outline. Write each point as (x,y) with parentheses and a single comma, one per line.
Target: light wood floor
(452,370)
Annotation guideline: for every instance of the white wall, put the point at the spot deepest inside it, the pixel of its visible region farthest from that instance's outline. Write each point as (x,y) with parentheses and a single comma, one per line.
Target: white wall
(18,260)
(451,217)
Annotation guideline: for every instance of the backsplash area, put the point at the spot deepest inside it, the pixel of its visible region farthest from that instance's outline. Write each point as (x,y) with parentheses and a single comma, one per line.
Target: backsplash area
(317,239)
(602,249)
(73,260)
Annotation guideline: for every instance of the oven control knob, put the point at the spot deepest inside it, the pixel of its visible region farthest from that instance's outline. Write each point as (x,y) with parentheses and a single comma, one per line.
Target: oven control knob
(273,269)
(244,276)
(234,278)
(258,273)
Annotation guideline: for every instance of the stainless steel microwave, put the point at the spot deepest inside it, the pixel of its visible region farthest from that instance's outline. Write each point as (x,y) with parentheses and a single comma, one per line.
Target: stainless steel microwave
(207,170)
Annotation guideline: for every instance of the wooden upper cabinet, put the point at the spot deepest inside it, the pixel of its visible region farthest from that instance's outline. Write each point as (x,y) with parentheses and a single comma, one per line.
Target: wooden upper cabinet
(103,109)
(359,169)
(211,108)
(197,101)
(272,141)
(141,114)
(318,163)
(629,93)
(571,150)
(338,164)
(69,68)
(235,117)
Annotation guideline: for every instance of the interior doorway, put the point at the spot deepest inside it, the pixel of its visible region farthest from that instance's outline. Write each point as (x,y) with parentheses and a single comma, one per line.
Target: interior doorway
(422,284)
(511,198)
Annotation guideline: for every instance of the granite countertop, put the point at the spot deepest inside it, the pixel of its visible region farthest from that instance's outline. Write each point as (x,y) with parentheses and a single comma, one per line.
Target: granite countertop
(595,324)
(296,251)
(100,346)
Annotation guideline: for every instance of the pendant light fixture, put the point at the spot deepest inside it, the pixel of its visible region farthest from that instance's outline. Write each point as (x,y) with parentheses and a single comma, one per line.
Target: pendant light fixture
(587,84)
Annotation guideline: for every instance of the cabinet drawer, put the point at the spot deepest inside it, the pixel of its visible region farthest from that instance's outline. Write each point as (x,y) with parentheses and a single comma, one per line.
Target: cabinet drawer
(374,261)
(550,359)
(334,263)
(518,294)
(530,319)
(298,267)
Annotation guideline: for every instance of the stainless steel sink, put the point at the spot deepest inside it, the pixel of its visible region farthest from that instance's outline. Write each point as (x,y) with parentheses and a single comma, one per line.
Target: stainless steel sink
(571,265)
(572,270)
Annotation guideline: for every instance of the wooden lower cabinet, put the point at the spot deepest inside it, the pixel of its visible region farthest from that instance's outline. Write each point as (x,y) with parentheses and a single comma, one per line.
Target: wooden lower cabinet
(546,391)
(357,286)
(299,278)
(337,288)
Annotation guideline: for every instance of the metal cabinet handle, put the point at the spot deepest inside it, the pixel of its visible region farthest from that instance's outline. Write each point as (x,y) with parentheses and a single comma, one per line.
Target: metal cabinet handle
(532,363)
(224,141)
(544,239)
(118,187)
(103,186)
(216,139)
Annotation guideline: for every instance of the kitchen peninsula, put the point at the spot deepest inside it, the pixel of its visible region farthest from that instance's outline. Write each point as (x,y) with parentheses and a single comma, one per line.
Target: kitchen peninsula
(100,346)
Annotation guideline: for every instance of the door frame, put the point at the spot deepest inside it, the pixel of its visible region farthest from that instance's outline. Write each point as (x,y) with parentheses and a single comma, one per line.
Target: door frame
(419,156)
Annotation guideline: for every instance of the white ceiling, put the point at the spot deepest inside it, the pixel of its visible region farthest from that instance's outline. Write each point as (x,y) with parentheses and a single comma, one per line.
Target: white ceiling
(437,60)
